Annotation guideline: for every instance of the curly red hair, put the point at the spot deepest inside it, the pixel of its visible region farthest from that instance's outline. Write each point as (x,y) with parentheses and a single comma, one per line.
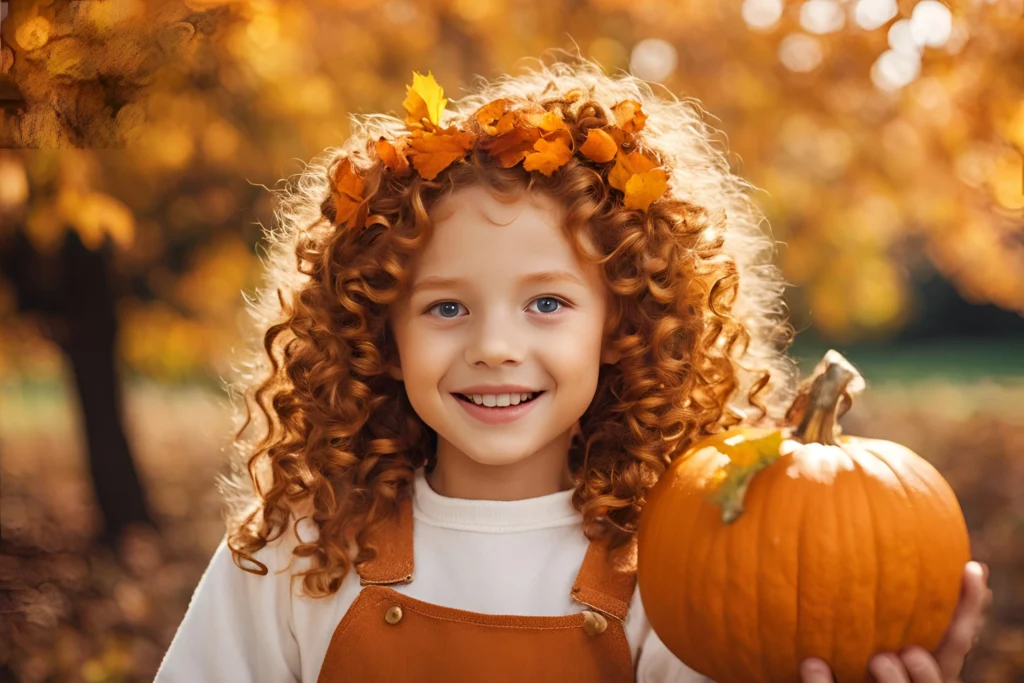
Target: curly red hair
(697,317)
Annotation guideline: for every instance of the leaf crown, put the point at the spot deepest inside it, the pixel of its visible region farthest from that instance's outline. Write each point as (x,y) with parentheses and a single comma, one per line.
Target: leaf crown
(541,140)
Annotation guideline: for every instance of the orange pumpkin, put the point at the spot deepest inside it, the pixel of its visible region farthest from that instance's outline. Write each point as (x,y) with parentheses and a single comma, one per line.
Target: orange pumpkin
(761,547)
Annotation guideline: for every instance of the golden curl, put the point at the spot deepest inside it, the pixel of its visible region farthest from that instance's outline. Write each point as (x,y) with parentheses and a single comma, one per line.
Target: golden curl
(696,317)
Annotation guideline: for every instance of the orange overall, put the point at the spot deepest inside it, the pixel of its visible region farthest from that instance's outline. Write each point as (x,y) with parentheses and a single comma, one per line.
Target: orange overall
(387,636)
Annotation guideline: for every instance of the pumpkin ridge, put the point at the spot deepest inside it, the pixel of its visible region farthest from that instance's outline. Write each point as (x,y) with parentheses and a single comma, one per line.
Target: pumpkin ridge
(917,574)
(926,504)
(800,656)
(741,572)
(844,573)
(818,556)
(722,541)
(861,474)
(694,600)
(687,580)
(759,536)
(770,488)
(784,511)
(939,490)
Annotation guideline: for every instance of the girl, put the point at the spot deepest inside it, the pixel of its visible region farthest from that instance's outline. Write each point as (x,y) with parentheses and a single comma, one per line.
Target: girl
(492,330)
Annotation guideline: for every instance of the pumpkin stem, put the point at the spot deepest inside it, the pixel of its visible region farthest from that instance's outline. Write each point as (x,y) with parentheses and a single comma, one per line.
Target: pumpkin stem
(832,387)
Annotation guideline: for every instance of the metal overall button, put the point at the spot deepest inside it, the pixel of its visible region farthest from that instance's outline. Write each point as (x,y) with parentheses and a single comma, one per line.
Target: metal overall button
(393,615)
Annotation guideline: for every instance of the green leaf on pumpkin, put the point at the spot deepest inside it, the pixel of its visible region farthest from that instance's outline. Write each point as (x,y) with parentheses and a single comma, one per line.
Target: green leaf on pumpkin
(748,454)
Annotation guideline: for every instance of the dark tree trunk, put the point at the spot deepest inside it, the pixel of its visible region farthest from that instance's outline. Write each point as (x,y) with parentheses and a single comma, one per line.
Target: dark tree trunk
(74,294)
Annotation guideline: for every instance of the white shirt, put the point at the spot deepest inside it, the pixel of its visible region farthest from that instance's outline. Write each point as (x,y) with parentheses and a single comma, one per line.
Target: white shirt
(493,557)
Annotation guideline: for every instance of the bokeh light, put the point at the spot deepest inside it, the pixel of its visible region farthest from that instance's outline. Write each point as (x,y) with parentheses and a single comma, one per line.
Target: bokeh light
(653,59)
(894,69)
(800,52)
(761,14)
(931,23)
(822,16)
(872,14)
(901,38)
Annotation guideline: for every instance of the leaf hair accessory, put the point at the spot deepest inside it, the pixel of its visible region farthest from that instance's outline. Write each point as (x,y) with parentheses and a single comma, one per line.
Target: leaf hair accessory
(540,140)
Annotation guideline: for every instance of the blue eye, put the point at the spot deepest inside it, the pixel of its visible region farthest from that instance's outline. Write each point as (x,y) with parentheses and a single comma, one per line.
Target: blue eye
(447,309)
(547,304)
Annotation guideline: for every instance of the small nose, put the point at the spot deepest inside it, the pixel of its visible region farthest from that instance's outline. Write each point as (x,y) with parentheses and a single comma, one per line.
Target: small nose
(496,341)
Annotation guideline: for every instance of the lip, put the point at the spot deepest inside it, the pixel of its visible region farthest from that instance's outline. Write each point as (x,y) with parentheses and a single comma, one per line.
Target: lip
(502,415)
(496,389)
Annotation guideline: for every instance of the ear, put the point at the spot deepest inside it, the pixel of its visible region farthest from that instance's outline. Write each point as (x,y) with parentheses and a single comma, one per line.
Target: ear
(395,371)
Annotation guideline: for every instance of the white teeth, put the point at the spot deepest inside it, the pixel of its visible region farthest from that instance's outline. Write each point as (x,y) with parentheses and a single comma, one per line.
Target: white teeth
(501,400)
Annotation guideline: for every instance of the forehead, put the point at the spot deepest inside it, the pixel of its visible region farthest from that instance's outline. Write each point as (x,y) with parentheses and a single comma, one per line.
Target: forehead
(477,233)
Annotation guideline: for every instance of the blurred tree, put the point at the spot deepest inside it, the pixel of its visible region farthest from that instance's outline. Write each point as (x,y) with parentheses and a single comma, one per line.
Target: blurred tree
(71,292)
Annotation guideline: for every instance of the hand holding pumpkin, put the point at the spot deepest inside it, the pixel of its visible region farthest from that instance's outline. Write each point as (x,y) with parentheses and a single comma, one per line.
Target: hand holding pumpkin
(915,665)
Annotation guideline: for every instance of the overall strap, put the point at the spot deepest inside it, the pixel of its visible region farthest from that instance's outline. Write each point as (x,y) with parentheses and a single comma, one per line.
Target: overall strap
(393,543)
(607,578)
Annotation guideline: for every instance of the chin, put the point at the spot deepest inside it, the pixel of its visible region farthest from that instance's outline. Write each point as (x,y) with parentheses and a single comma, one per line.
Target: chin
(493,458)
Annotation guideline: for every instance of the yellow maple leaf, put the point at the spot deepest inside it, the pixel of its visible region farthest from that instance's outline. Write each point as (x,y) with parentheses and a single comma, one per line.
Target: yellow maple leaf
(433,152)
(644,188)
(550,155)
(599,146)
(424,99)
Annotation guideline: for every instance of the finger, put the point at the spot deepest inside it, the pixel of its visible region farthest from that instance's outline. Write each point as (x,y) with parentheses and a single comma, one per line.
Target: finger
(815,671)
(966,624)
(921,666)
(888,668)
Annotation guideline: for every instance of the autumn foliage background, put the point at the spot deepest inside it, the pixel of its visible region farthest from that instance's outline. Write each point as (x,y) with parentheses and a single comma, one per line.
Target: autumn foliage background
(140,144)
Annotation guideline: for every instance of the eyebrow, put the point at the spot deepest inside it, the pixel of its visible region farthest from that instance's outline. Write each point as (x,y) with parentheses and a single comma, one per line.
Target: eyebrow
(435,282)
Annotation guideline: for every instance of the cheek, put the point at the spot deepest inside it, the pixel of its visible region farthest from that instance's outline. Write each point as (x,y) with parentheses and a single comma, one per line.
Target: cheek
(425,360)
(574,359)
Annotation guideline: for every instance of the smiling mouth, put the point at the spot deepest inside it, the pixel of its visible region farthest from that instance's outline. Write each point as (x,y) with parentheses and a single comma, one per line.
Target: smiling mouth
(469,399)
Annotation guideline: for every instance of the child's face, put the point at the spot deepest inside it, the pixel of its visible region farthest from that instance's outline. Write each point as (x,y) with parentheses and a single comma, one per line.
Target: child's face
(493,325)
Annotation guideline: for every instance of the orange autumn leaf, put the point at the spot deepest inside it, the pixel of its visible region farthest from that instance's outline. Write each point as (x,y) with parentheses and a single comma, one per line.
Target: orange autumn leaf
(512,147)
(644,188)
(599,146)
(629,116)
(550,155)
(508,121)
(549,121)
(626,166)
(346,192)
(424,99)
(393,157)
(639,179)
(489,115)
(433,152)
